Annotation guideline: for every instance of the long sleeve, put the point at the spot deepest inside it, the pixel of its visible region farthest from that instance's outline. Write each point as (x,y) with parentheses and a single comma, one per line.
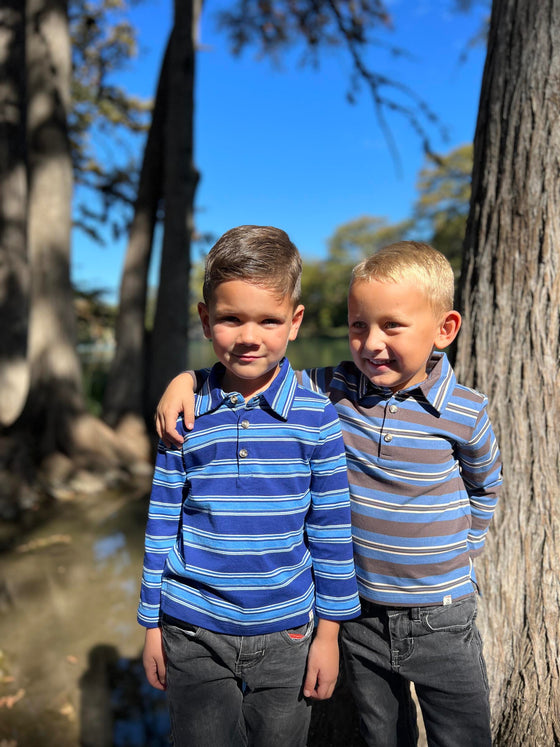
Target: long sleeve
(161,530)
(328,526)
(481,470)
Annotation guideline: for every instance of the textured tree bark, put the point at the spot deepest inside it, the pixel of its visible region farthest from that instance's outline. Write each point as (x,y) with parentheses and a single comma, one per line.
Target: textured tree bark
(168,344)
(509,349)
(55,394)
(54,441)
(14,268)
(125,392)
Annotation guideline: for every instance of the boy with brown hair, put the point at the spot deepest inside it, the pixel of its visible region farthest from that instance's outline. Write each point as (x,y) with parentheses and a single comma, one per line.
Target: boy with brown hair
(248,538)
(424,472)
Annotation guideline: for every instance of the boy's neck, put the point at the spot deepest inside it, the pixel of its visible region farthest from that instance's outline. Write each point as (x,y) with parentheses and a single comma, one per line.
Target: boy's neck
(248,388)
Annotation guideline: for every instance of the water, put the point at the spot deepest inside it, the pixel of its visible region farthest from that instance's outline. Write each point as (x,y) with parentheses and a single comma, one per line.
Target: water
(70,668)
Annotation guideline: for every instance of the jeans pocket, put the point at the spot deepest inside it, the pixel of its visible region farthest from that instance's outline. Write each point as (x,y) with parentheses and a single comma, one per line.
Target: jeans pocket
(453,618)
(180,630)
(298,636)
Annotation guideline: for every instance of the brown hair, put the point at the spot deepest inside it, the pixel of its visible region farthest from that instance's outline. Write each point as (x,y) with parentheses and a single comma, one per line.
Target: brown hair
(262,255)
(412,260)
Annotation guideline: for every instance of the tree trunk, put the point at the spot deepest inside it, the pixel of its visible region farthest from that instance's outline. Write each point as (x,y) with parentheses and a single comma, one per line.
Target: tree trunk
(125,392)
(509,348)
(14,269)
(168,344)
(56,393)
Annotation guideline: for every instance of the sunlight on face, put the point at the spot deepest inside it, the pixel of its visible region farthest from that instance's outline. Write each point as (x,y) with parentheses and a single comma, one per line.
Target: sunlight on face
(250,328)
(393,330)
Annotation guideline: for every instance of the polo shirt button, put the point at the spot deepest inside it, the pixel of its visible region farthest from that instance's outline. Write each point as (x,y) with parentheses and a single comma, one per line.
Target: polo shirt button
(244,423)
(388,438)
(243,453)
(234,399)
(393,408)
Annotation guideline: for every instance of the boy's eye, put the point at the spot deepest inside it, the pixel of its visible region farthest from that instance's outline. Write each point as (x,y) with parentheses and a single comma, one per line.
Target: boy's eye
(392,325)
(358,325)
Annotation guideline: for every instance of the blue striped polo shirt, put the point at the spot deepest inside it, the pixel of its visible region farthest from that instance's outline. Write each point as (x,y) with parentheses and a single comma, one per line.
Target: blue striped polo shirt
(248,528)
(424,471)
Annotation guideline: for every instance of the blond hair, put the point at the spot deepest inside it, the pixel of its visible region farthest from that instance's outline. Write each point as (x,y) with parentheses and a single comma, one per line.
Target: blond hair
(415,261)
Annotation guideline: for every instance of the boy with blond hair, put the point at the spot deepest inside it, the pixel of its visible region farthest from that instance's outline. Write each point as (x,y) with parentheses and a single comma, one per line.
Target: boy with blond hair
(424,472)
(248,541)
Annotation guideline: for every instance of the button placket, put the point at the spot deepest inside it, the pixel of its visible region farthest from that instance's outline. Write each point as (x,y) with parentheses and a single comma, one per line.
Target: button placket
(386,437)
(243,450)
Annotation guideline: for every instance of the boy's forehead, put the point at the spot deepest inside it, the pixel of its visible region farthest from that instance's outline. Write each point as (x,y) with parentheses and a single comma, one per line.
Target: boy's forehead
(374,291)
(240,291)
(369,286)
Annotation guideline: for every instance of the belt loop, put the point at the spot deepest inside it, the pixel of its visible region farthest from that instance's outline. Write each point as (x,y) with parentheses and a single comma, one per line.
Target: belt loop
(415,613)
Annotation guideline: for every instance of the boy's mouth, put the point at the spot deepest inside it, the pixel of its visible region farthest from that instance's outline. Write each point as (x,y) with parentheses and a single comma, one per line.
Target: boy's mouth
(379,363)
(247,357)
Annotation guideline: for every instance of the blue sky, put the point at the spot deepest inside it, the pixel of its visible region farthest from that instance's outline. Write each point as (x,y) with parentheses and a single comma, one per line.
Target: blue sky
(282,146)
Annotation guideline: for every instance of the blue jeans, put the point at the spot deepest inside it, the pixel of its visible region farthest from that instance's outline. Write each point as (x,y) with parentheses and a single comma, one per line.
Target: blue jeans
(237,691)
(440,650)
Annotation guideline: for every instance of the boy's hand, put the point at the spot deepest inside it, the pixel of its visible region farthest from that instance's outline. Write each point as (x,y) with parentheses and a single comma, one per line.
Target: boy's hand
(153,659)
(322,662)
(177,398)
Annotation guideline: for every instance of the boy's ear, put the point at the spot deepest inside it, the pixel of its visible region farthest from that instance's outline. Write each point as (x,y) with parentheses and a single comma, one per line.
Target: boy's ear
(448,329)
(297,319)
(204,315)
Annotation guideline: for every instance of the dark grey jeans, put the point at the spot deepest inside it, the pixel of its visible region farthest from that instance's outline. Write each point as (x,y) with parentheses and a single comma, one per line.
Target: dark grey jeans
(437,648)
(237,691)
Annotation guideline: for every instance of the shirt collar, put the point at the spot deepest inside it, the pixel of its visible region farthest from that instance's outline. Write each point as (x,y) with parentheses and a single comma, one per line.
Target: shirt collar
(439,385)
(279,396)
(437,388)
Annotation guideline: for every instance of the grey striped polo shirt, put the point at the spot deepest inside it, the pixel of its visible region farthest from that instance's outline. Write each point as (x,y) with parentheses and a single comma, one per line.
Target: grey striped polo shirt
(424,471)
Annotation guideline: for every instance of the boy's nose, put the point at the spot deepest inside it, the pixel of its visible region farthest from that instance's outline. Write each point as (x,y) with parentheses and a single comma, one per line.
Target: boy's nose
(248,335)
(374,339)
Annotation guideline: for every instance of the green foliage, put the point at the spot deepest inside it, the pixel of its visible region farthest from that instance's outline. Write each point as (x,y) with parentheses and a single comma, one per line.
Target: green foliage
(104,116)
(325,283)
(323,290)
(439,217)
(96,334)
(363,236)
(96,318)
(441,210)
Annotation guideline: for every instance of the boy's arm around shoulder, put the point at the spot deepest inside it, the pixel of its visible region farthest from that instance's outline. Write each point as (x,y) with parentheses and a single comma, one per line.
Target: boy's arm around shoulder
(481,470)
(316,379)
(177,398)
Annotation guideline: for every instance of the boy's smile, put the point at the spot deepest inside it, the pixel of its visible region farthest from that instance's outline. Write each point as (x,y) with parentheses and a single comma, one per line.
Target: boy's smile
(250,327)
(393,330)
